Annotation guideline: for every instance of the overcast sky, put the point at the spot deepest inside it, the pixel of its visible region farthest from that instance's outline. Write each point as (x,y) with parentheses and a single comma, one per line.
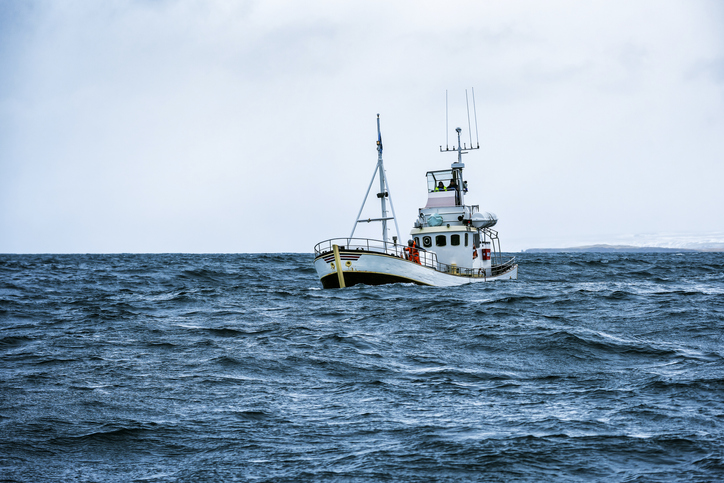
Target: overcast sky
(232,126)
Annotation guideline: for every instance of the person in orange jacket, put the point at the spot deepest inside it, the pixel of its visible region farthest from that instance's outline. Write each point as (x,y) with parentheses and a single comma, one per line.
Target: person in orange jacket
(413,254)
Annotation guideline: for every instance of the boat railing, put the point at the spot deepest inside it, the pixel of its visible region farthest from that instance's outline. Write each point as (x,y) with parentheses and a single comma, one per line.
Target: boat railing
(495,270)
(503,267)
(427,259)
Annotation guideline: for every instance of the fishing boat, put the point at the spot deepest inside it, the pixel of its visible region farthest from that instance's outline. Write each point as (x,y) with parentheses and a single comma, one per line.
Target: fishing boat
(450,244)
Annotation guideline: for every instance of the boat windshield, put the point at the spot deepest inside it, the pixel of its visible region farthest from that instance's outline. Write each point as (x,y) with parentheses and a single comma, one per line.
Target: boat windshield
(434,178)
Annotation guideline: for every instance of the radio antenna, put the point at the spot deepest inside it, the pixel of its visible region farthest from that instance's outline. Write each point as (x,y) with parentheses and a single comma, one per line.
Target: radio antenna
(477,139)
(462,148)
(447,142)
(470,131)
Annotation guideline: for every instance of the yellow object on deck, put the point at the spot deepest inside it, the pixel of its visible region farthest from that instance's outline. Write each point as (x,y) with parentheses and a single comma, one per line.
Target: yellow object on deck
(338,264)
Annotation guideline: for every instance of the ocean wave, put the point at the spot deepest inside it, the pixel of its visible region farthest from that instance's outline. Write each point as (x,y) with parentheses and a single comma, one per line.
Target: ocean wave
(223,367)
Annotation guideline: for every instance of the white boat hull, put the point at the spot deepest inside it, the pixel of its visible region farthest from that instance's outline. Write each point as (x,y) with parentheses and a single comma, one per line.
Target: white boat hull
(372,268)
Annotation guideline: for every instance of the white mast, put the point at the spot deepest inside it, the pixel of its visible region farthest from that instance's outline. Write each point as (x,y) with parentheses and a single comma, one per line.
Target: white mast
(384,193)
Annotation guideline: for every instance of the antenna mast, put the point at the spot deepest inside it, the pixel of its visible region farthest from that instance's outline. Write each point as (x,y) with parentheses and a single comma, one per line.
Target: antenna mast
(470,131)
(461,148)
(447,139)
(475,112)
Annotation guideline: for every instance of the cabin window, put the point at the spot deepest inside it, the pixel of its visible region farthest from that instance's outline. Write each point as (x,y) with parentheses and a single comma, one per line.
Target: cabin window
(455,240)
(466,239)
(417,241)
(440,240)
(426,241)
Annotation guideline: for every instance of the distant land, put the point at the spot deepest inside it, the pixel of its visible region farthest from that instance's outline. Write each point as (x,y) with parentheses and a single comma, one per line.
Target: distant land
(619,249)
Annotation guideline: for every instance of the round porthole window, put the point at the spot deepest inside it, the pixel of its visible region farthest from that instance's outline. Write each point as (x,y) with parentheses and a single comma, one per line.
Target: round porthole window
(426,241)
(348,263)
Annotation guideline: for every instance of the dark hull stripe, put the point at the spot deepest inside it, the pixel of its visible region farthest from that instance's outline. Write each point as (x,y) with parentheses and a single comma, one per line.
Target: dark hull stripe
(342,256)
(328,257)
(367,278)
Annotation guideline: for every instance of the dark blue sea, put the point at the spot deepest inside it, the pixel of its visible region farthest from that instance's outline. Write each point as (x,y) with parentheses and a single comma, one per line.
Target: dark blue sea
(192,368)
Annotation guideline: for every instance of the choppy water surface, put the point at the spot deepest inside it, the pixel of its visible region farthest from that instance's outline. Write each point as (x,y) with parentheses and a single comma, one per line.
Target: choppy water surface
(602,367)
